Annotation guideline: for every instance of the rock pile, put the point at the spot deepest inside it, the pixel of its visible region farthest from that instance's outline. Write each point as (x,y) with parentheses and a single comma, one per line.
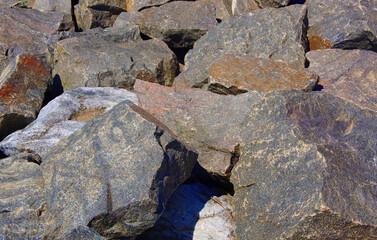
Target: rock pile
(206,119)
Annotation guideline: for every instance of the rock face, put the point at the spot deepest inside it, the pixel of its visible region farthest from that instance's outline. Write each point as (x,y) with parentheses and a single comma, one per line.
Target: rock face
(342,24)
(21,198)
(60,6)
(134,6)
(196,116)
(308,169)
(178,23)
(117,178)
(235,74)
(348,74)
(63,116)
(240,6)
(278,34)
(91,61)
(22,87)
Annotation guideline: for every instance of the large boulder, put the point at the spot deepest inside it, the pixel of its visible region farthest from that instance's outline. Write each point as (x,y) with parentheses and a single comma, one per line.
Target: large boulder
(240,73)
(91,61)
(344,24)
(63,116)
(114,175)
(59,6)
(22,203)
(23,84)
(278,34)
(307,169)
(134,6)
(348,74)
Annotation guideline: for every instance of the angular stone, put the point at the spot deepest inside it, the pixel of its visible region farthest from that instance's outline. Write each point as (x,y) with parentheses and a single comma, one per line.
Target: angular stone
(114,175)
(98,13)
(344,24)
(178,23)
(240,6)
(348,74)
(60,6)
(197,117)
(193,212)
(278,34)
(272,3)
(63,116)
(91,61)
(307,169)
(22,203)
(134,6)
(23,84)
(222,10)
(236,74)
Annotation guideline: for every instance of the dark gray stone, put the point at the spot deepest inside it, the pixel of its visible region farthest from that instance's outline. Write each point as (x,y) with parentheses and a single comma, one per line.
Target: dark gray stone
(272,3)
(134,6)
(114,175)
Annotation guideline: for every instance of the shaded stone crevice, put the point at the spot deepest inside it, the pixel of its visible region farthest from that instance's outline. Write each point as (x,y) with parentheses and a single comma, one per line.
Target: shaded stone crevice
(73,4)
(365,40)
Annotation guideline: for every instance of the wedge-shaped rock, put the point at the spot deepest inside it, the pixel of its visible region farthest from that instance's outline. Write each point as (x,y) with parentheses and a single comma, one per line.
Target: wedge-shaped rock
(22,203)
(344,24)
(307,170)
(235,74)
(114,175)
(278,34)
(63,116)
(348,74)
(59,6)
(207,121)
(91,61)
(178,23)
(23,84)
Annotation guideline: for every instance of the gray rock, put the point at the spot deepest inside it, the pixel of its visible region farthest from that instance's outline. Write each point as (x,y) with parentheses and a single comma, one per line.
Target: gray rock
(278,34)
(60,6)
(63,116)
(240,6)
(21,198)
(272,3)
(344,24)
(134,6)
(194,213)
(91,61)
(114,175)
(82,232)
(348,74)
(307,169)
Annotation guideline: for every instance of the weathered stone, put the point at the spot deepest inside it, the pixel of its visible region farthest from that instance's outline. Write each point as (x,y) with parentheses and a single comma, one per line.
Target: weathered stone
(82,232)
(178,23)
(22,87)
(91,61)
(63,116)
(197,117)
(98,13)
(240,6)
(235,74)
(114,175)
(194,213)
(344,24)
(222,10)
(308,167)
(348,74)
(278,34)
(272,3)
(60,6)
(134,6)
(21,198)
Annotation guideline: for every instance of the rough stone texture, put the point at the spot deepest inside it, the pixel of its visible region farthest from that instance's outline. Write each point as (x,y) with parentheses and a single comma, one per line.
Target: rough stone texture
(98,13)
(348,74)
(22,87)
(278,34)
(347,24)
(63,116)
(197,117)
(240,6)
(272,3)
(308,168)
(21,198)
(114,175)
(222,10)
(235,74)
(134,6)
(178,23)
(60,6)
(194,213)
(82,232)
(91,61)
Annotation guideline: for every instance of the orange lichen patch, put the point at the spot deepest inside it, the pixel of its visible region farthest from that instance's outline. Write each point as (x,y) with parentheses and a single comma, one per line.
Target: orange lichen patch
(87,114)
(146,76)
(316,42)
(129,4)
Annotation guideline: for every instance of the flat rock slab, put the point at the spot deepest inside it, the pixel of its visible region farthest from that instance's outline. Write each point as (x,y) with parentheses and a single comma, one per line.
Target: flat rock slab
(278,34)
(63,116)
(114,175)
(23,84)
(307,169)
(348,74)
(236,74)
(344,24)
(91,61)
(178,23)
(22,203)
(59,6)
(208,122)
